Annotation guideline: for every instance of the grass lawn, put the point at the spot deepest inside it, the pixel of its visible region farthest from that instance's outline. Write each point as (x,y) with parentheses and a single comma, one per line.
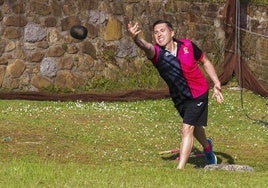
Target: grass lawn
(100,144)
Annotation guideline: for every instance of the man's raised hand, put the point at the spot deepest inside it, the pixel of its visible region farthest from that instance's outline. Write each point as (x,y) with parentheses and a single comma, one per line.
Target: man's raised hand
(133,29)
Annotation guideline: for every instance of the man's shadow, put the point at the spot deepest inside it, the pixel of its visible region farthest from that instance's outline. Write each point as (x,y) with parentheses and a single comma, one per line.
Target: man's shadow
(199,161)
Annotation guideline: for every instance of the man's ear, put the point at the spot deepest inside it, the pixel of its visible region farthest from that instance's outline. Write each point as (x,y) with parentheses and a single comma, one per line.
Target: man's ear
(172,33)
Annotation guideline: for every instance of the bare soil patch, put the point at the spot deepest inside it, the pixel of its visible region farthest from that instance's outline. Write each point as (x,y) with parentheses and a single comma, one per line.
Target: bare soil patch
(131,95)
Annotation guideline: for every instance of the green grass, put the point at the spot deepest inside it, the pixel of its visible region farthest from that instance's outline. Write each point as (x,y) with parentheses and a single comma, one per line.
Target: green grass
(79,144)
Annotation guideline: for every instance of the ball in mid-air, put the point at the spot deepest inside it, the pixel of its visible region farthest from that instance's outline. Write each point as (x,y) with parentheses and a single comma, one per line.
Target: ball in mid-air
(78,32)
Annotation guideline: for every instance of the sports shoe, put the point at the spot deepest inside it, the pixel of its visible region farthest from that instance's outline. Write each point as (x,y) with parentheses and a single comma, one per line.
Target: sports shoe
(210,156)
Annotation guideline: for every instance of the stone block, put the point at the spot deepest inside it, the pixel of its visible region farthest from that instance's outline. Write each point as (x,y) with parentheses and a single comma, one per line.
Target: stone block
(12,33)
(50,22)
(96,17)
(66,63)
(68,22)
(2,49)
(88,5)
(93,31)
(10,83)
(40,8)
(113,30)
(16,68)
(56,8)
(66,79)
(16,21)
(89,49)
(18,8)
(40,82)
(10,46)
(4,60)
(34,32)
(55,51)
(72,49)
(2,74)
(48,67)
(36,57)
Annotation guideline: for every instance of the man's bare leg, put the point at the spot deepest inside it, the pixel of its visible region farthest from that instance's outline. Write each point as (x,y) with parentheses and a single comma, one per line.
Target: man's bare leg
(186,144)
(200,135)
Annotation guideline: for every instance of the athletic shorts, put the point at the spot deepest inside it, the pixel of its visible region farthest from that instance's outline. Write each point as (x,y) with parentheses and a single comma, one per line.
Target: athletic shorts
(194,112)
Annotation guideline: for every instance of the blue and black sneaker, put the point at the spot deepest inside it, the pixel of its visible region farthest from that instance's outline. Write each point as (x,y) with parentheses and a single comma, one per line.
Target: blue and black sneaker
(210,156)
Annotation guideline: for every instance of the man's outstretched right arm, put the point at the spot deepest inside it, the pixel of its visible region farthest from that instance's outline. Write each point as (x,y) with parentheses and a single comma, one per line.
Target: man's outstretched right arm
(147,47)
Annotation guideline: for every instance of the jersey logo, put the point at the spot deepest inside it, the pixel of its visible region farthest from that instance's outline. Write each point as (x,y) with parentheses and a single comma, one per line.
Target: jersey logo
(199,104)
(185,50)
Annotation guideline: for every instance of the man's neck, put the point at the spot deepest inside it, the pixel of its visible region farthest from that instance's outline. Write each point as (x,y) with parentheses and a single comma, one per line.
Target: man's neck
(172,47)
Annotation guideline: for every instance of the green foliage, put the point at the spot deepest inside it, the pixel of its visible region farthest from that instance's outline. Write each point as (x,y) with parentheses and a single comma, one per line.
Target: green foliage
(146,78)
(55,89)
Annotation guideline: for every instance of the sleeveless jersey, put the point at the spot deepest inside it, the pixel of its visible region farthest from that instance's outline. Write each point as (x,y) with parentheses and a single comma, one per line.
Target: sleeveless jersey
(181,73)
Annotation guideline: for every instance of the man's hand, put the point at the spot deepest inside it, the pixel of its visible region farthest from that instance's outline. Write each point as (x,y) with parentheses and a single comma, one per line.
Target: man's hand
(217,93)
(133,29)
(148,48)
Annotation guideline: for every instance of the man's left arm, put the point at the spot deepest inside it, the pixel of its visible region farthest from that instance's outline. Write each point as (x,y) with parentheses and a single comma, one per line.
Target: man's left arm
(209,68)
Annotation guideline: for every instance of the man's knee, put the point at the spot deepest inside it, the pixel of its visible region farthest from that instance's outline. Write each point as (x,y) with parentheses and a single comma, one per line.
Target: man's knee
(187,129)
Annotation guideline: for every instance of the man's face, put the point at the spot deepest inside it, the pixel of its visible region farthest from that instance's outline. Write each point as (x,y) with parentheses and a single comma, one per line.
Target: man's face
(163,34)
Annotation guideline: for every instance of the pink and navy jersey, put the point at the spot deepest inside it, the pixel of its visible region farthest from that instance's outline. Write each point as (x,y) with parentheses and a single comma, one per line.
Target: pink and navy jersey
(181,72)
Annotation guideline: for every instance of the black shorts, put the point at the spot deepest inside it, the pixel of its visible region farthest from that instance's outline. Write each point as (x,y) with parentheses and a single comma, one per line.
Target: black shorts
(194,112)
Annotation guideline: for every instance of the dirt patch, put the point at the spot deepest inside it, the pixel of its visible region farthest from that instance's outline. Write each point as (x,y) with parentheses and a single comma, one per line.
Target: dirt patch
(132,95)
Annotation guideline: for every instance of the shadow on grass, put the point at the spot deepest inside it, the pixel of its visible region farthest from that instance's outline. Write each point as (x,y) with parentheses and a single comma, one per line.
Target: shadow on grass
(220,155)
(199,161)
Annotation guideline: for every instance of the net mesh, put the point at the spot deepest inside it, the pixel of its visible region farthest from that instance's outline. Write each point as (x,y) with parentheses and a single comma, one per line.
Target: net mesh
(243,49)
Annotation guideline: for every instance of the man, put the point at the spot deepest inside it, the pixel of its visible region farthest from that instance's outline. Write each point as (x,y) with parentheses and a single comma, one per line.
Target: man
(176,62)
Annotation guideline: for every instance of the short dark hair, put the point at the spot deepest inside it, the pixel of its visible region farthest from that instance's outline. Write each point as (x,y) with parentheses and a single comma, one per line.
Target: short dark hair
(163,21)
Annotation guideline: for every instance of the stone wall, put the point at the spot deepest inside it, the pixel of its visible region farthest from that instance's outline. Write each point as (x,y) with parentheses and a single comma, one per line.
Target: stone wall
(38,52)
(254,40)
